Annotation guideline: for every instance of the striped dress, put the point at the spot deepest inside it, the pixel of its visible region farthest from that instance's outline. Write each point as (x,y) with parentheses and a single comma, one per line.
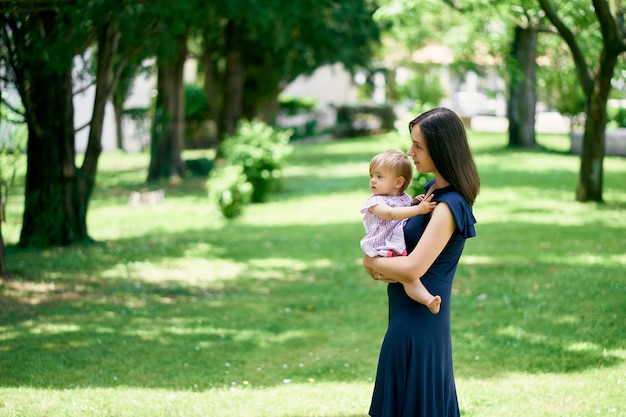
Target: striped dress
(384,237)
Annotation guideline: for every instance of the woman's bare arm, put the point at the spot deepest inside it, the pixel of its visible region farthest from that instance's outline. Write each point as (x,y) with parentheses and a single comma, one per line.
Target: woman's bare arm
(431,244)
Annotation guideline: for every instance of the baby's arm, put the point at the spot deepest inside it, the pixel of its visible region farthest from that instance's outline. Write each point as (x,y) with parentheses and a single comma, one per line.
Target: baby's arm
(387,212)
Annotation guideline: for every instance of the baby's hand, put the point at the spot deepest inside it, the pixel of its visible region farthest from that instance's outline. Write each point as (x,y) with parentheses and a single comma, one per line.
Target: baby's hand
(417,199)
(425,205)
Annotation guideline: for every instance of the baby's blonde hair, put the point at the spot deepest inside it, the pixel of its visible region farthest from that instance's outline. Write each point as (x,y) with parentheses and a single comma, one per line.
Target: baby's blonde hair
(395,161)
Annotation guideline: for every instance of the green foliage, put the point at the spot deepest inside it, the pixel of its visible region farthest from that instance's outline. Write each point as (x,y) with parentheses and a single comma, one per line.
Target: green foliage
(423,89)
(418,182)
(137,114)
(363,119)
(196,105)
(617,116)
(13,130)
(230,189)
(13,140)
(292,106)
(557,84)
(199,133)
(284,40)
(297,116)
(262,152)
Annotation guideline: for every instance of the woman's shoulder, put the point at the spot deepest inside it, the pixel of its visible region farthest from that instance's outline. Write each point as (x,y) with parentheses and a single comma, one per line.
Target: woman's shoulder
(461,211)
(452,195)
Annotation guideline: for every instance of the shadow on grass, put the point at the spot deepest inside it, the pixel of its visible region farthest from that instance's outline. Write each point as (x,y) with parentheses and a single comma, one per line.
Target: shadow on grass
(207,308)
(289,304)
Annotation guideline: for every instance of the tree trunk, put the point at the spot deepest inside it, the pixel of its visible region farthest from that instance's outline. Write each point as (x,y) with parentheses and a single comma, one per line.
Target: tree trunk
(590,177)
(235,78)
(211,89)
(523,93)
(118,109)
(268,111)
(118,97)
(169,119)
(86,180)
(51,207)
(4,267)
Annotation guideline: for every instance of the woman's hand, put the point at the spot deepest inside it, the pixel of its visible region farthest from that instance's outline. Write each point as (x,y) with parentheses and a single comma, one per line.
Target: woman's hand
(372,273)
(381,277)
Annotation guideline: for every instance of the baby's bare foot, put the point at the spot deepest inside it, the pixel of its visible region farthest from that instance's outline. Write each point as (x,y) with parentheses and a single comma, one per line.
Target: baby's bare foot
(434,304)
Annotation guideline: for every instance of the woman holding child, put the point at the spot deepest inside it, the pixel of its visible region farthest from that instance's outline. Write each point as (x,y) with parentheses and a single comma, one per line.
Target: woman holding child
(415,376)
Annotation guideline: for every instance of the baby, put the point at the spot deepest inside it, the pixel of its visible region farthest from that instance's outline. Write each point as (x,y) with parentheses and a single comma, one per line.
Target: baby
(385,211)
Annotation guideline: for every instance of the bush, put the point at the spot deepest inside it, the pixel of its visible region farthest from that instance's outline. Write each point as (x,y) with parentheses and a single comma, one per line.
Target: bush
(297,114)
(417,184)
(196,104)
(292,106)
(200,167)
(423,90)
(199,128)
(363,119)
(230,189)
(261,150)
(618,116)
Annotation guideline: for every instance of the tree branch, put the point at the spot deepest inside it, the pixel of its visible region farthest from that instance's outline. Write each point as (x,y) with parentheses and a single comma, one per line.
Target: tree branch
(13,109)
(453,4)
(84,88)
(82,127)
(582,69)
(612,36)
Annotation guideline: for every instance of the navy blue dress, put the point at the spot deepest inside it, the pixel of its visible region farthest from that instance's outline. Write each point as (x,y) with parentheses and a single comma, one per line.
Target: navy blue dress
(414,376)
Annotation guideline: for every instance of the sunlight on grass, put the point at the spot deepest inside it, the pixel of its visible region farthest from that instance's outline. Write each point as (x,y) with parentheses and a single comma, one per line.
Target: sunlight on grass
(177,311)
(567,319)
(312,399)
(283,269)
(593,259)
(264,339)
(584,346)
(188,270)
(345,170)
(49,329)
(337,208)
(542,395)
(479,260)
(151,330)
(519,333)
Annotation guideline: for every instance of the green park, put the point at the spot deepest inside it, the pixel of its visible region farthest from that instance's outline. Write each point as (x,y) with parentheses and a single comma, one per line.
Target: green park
(175,313)
(216,270)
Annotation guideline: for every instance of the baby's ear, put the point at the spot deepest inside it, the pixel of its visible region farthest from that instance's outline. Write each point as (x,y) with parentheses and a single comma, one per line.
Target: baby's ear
(399,182)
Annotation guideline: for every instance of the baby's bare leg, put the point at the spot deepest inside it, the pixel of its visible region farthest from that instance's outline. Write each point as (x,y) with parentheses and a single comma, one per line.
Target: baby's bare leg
(416,290)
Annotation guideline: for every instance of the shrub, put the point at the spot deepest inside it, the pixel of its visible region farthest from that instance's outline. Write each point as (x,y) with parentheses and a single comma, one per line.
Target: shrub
(618,116)
(363,119)
(261,150)
(424,90)
(230,189)
(297,114)
(417,184)
(199,128)
(196,104)
(296,105)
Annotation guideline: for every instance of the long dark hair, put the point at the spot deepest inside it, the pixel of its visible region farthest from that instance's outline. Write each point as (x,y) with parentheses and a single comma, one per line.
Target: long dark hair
(449,149)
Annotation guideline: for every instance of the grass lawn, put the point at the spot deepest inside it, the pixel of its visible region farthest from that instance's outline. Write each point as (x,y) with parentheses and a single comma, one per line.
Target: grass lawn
(177,312)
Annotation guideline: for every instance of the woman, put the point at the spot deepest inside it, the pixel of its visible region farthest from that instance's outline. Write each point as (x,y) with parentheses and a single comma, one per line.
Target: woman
(415,376)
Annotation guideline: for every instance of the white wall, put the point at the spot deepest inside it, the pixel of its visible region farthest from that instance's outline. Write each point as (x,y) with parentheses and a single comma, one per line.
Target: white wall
(330,84)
